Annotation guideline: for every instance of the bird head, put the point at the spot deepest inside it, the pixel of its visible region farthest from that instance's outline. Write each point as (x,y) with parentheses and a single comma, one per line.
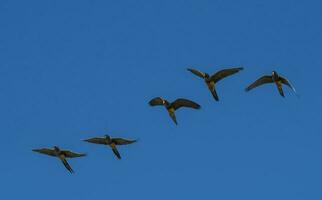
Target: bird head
(274,73)
(206,76)
(165,102)
(56,148)
(108,138)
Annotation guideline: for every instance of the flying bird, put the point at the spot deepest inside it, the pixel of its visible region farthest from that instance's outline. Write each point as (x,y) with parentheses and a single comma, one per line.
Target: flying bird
(172,107)
(211,81)
(274,78)
(61,154)
(111,142)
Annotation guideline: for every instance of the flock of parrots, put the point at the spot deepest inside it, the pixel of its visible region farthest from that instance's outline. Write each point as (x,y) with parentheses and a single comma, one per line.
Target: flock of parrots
(210,81)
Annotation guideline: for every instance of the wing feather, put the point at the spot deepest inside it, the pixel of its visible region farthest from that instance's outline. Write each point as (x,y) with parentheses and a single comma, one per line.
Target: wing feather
(262,80)
(184,103)
(196,72)
(287,82)
(224,73)
(157,101)
(70,154)
(122,141)
(46,151)
(96,140)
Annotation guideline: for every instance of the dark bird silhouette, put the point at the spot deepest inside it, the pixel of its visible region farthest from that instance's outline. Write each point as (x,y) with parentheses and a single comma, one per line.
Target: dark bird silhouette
(211,81)
(111,142)
(61,154)
(172,107)
(274,78)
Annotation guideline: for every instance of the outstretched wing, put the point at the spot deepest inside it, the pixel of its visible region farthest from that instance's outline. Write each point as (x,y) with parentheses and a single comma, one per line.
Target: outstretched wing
(157,101)
(196,72)
(287,82)
(184,103)
(122,141)
(46,151)
(96,140)
(260,81)
(70,154)
(224,73)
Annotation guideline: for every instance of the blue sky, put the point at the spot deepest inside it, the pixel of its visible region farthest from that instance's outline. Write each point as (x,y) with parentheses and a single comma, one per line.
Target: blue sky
(70,70)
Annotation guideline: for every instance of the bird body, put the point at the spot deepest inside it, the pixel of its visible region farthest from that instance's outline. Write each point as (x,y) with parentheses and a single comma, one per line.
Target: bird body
(60,154)
(172,107)
(211,81)
(278,81)
(274,78)
(111,142)
(210,84)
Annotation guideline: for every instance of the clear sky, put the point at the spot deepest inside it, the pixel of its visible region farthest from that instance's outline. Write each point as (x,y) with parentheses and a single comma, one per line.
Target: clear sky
(70,70)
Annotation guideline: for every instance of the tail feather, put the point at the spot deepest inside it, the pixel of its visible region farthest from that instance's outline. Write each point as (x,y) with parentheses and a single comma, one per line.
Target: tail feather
(68,167)
(116,152)
(214,94)
(212,89)
(280,90)
(173,117)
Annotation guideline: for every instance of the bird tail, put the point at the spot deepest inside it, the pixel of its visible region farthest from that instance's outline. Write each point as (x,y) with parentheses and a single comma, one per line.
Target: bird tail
(68,167)
(115,151)
(173,117)
(214,94)
(280,90)
(212,89)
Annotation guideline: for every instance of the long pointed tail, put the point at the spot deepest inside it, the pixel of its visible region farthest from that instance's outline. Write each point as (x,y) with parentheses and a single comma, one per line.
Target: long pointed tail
(173,117)
(68,167)
(280,90)
(214,94)
(115,151)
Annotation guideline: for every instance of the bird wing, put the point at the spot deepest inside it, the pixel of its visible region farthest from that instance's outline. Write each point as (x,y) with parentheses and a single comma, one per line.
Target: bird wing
(184,103)
(157,101)
(196,72)
(287,82)
(224,73)
(122,141)
(70,154)
(262,80)
(96,140)
(47,151)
